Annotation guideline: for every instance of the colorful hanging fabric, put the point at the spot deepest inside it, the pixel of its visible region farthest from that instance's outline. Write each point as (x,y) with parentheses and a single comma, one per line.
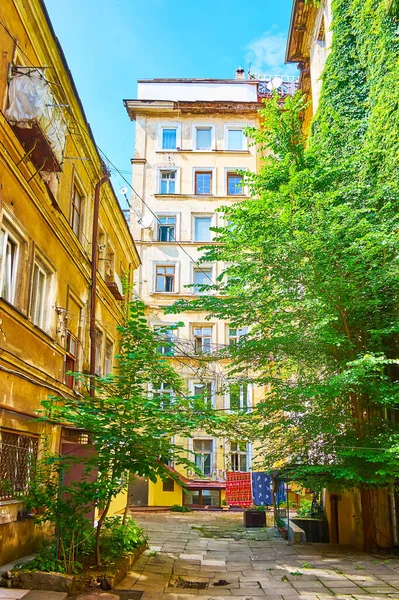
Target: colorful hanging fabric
(281,495)
(238,489)
(261,489)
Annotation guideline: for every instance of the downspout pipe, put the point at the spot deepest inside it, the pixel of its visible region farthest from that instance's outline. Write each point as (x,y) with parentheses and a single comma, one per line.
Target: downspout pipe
(93,290)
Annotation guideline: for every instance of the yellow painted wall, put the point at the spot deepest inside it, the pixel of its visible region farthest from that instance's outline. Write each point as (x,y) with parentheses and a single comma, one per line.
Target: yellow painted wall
(157,497)
(32,360)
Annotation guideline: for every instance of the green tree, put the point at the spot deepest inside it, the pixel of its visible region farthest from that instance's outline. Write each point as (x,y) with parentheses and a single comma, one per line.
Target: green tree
(131,427)
(316,274)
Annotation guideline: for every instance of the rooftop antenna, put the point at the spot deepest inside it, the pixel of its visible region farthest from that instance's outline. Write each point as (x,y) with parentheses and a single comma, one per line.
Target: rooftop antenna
(145,222)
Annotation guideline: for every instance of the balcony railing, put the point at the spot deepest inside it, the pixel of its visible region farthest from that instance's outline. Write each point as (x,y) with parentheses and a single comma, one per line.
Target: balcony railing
(184,347)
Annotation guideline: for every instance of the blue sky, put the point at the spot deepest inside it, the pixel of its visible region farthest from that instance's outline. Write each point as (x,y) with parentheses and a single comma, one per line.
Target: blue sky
(109,44)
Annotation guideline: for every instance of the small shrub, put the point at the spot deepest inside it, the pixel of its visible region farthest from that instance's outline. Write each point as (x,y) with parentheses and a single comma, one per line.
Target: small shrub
(307,565)
(260,508)
(45,560)
(305,508)
(178,508)
(118,539)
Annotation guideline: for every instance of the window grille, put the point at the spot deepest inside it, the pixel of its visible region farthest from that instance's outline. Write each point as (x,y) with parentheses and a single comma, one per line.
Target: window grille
(18,455)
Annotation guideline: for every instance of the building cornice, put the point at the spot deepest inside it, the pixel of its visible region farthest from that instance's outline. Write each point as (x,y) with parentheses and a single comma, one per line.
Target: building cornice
(158,107)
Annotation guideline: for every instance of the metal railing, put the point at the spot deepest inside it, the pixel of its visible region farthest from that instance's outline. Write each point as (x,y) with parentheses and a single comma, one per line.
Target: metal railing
(184,347)
(18,455)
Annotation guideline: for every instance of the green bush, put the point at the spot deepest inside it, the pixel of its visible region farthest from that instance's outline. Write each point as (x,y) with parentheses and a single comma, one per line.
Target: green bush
(305,508)
(45,560)
(118,539)
(178,508)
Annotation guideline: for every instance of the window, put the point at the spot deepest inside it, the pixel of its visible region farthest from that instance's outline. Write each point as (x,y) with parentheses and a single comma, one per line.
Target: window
(166,229)
(9,249)
(235,139)
(109,356)
(169,138)
(163,395)
(165,278)
(70,359)
(40,296)
(202,277)
(203,182)
(205,392)
(234,184)
(203,138)
(202,340)
(99,353)
(202,231)
(168,485)
(238,457)
(77,212)
(166,338)
(235,333)
(203,458)
(168,182)
(238,396)
(18,454)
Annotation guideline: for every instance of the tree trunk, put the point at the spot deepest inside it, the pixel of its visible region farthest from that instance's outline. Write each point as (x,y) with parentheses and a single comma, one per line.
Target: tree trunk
(98,532)
(369,543)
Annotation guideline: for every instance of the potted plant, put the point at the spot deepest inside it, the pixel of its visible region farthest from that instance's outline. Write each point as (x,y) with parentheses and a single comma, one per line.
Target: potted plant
(282,528)
(224,505)
(255,516)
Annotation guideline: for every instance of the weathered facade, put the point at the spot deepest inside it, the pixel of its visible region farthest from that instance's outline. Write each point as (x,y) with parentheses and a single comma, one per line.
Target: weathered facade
(49,168)
(190,150)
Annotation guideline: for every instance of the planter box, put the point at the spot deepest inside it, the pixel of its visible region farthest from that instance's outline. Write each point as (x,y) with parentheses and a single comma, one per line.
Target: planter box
(316,529)
(58,582)
(254,518)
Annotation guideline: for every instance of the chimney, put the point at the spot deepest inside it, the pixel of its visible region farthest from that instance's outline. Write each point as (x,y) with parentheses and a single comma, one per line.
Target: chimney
(240,73)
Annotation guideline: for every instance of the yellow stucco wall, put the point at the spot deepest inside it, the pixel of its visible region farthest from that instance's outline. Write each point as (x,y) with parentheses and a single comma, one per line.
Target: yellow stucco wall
(157,497)
(38,215)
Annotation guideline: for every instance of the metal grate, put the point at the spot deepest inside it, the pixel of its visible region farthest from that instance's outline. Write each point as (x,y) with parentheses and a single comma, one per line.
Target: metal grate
(18,454)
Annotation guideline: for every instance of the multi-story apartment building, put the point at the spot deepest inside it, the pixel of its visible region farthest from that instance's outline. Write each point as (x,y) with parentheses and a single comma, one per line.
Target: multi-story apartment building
(50,171)
(190,153)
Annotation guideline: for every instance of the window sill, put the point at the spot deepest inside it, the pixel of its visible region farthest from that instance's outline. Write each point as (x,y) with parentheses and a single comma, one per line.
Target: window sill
(200,196)
(194,151)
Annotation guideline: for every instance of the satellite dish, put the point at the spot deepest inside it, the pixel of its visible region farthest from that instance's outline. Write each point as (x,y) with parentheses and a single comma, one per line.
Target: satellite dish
(123,190)
(277,82)
(145,222)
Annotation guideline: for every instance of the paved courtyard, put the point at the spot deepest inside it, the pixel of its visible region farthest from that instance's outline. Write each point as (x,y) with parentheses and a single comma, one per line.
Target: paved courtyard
(215,550)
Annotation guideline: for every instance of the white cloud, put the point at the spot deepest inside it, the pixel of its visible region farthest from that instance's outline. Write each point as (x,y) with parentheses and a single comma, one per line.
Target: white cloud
(265,55)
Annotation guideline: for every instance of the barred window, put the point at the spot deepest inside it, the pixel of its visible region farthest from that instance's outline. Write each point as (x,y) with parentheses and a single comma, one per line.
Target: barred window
(18,454)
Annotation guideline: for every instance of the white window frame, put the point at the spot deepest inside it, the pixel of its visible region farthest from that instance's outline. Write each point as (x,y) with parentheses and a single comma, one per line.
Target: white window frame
(176,279)
(44,317)
(168,338)
(158,225)
(177,180)
(3,258)
(240,453)
(233,171)
(109,340)
(210,126)
(249,398)
(204,267)
(100,352)
(194,382)
(234,126)
(212,452)
(169,125)
(163,390)
(202,216)
(203,326)
(241,331)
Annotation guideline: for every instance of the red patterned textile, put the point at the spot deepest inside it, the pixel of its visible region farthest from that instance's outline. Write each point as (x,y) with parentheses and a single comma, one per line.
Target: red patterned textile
(238,489)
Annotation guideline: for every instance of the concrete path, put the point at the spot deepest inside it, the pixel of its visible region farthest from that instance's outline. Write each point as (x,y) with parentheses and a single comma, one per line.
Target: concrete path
(14,594)
(213,549)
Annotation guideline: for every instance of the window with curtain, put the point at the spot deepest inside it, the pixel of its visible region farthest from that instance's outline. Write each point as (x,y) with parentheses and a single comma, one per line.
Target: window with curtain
(202,339)
(168,182)
(203,138)
(202,277)
(165,278)
(169,138)
(9,249)
(40,295)
(234,139)
(202,231)
(234,184)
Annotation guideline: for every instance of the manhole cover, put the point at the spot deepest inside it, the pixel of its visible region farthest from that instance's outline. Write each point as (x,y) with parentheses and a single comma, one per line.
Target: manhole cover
(194,585)
(128,594)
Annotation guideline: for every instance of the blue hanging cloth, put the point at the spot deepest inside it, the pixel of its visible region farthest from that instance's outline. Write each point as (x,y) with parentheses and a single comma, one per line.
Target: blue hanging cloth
(281,495)
(261,489)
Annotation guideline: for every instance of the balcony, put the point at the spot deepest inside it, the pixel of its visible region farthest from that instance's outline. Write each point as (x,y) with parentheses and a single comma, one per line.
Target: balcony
(269,84)
(36,118)
(114,285)
(191,348)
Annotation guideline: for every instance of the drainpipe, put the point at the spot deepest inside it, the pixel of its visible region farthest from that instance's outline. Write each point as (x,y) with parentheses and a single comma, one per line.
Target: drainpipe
(93,289)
